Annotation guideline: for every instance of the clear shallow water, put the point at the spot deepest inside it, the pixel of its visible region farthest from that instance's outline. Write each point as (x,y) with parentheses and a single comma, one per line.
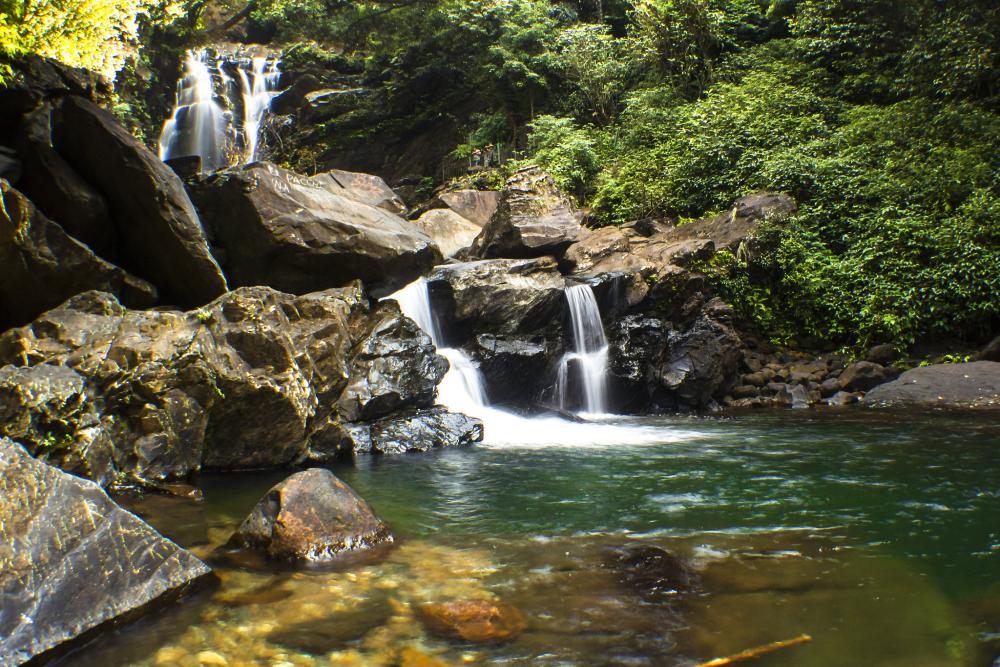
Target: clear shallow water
(876,533)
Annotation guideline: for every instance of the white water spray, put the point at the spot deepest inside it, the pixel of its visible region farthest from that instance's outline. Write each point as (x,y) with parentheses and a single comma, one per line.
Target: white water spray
(589,355)
(202,122)
(463,389)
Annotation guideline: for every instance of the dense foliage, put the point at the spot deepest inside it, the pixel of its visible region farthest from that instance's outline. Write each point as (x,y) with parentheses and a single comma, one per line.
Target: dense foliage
(882,118)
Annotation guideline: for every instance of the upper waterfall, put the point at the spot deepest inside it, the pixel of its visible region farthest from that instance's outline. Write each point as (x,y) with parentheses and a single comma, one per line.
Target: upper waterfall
(221,104)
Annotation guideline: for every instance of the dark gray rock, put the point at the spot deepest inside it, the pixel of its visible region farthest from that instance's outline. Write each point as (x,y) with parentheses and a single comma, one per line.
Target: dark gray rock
(637,344)
(41,265)
(394,367)
(882,354)
(991,352)
(158,231)
(969,385)
(865,375)
(650,572)
(503,297)
(515,369)
(417,431)
(10,167)
(844,398)
(311,516)
(701,363)
(72,562)
(533,218)
(294,234)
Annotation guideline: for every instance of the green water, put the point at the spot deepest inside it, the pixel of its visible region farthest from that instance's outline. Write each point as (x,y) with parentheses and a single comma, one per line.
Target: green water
(876,533)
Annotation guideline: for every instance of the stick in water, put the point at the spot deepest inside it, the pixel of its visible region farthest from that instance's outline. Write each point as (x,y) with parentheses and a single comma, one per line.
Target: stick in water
(752,653)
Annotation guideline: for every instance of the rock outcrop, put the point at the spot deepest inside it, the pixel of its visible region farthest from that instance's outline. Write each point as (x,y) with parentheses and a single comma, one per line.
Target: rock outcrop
(248,381)
(416,431)
(969,385)
(72,562)
(450,232)
(476,206)
(41,265)
(311,516)
(159,234)
(364,188)
(533,218)
(290,232)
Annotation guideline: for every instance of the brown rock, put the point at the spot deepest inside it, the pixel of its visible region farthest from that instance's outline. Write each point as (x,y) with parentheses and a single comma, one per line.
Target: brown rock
(478,621)
(476,206)
(311,516)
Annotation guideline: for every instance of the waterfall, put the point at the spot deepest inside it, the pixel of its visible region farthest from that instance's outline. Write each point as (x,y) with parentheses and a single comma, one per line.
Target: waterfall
(198,123)
(589,357)
(203,121)
(258,90)
(463,389)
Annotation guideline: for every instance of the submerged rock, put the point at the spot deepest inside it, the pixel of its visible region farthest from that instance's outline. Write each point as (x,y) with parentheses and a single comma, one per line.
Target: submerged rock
(969,385)
(72,562)
(650,571)
(41,265)
(533,218)
(478,621)
(311,516)
(296,234)
(158,231)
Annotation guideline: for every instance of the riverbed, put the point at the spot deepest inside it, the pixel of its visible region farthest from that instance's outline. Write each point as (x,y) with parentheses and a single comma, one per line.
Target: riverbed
(876,533)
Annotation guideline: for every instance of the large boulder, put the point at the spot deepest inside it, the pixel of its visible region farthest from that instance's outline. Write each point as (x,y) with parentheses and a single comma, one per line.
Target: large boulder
(516,369)
(236,384)
(865,375)
(311,516)
(450,231)
(502,297)
(970,385)
(394,367)
(364,188)
(476,206)
(159,235)
(533,218)
(290,232)
(41,265)
(73,562)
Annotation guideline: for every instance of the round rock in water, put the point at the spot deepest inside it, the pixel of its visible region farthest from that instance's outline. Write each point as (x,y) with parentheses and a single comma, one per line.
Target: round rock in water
(311,516)
(479,621)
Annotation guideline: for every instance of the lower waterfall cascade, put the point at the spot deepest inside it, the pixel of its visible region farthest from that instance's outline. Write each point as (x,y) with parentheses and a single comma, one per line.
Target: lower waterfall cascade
(463,389)
(589,355)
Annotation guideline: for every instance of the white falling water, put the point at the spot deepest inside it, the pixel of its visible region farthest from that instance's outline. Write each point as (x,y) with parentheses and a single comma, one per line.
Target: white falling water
(202,122)
(198,123)
(589,356)
(259,87)
(463,389)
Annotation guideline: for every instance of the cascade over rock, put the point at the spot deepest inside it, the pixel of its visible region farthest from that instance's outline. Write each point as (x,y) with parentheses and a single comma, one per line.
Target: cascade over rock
(73,562)
(241,383)
(41,265)
(533,218)
(158,231)
(311,516)
(274,227)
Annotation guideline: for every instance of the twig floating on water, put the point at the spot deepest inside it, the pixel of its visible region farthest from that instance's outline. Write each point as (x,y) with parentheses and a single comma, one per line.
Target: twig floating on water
(752,653)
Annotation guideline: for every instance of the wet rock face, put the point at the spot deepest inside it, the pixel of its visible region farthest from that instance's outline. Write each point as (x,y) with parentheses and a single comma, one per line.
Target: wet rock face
(478,621)
(300,234)
(311,516)
(72,561)
(533,218)
(236,384)
(158,231)
(637,344)
(417,431)
(42,266)
(969,385)
(500,297)
(515,369)
(394,367)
